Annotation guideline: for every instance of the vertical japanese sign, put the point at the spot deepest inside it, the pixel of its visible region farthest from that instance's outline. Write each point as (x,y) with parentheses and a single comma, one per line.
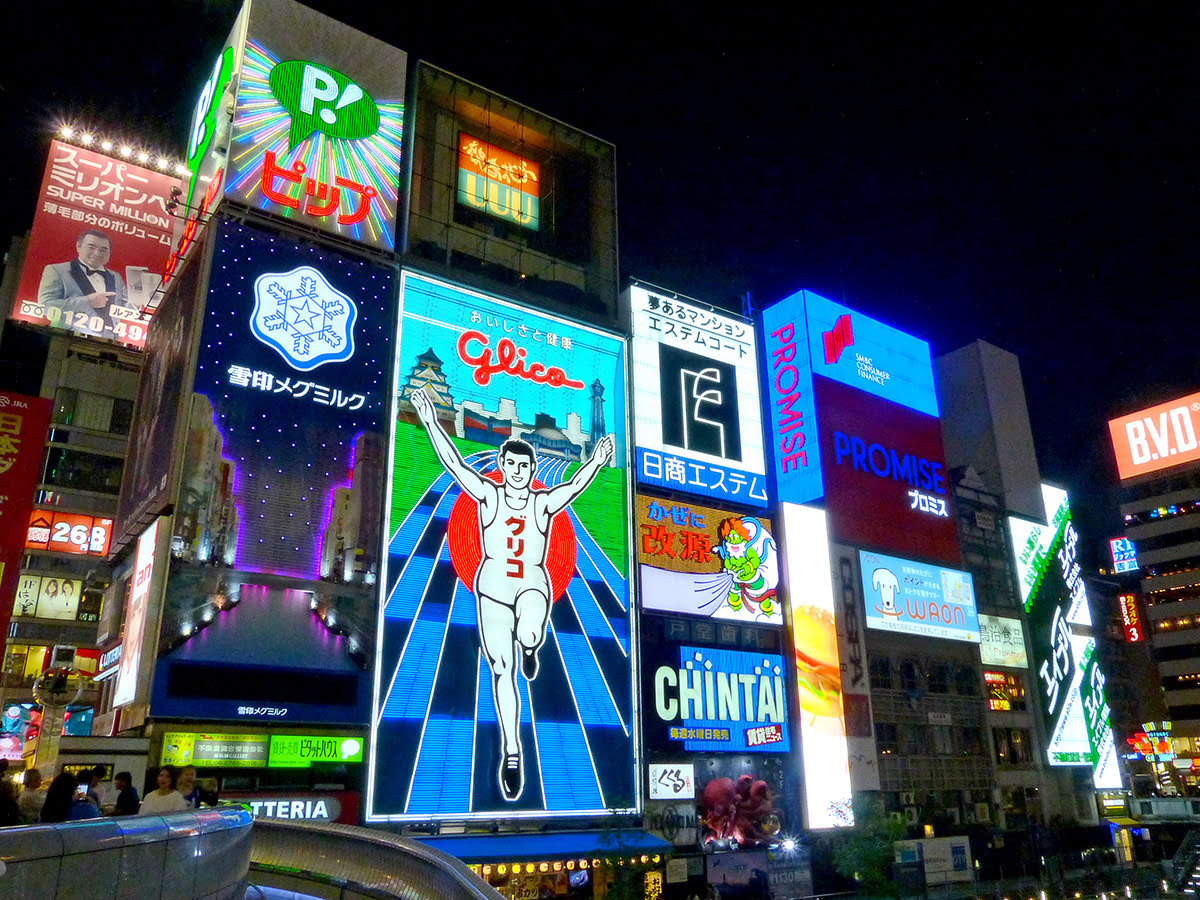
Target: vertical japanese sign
(787,373)
(819,669)
(318,129)
(696,409)
(702,561)
(498,182)
(1070,681)
(24,421)
(504,677)
(279,487)
(1131,619)
(99,246)
(856,685)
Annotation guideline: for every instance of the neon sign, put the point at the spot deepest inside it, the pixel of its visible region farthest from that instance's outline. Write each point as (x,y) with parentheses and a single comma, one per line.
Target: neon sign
(498,182)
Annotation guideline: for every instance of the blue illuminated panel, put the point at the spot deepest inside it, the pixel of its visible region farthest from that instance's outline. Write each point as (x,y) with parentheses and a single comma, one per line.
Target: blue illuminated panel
(788,383)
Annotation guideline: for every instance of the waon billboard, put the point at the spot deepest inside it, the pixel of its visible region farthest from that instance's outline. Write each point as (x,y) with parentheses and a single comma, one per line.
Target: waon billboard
(100,243)
(23,424)
(886,484)
(1157,438)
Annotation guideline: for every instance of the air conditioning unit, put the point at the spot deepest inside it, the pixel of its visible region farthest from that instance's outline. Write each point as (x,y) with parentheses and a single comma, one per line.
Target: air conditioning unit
(969,817)
(907,798)
(910,815)
(983,813)
(953,815)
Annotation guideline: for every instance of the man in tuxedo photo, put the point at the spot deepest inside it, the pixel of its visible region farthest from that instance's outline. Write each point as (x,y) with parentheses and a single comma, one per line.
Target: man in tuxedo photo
(89,298)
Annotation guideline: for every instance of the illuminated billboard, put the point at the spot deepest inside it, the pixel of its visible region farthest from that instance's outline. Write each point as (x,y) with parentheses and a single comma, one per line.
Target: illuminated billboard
(504,672)
(695,392)
(917,598)
(47,597)
(270,612)
(1157,438)
(61,532)
(1131,619)
(702,699)
(885,475)
(24,421)
(819,669)
(1070,681)
(1124,555)
(787,375)
(145,586)
(701,561)
(498,182)
(99,246)
(1002,642)
(319,124)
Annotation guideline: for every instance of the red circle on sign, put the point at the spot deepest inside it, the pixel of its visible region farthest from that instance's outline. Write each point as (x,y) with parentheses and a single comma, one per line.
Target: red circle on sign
(466,547)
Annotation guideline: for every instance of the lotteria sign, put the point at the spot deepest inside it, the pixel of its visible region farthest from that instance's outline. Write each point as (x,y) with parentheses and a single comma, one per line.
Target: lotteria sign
(915,598)
(706,699)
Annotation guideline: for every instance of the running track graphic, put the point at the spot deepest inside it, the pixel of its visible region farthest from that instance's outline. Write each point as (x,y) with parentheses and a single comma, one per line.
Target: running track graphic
(437,738)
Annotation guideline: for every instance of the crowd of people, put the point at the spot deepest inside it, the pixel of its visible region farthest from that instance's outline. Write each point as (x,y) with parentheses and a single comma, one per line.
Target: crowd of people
(69,798)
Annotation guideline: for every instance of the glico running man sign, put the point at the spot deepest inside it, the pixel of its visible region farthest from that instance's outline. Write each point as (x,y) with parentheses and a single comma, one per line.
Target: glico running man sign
(503,679)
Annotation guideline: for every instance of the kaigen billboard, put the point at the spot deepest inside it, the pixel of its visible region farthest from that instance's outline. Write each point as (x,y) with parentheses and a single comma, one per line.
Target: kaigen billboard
(1157,438)
(24,421)
(1070,681)
(788,381)
(695,390)
(885,475)
(99,246)
(504,673)
(701,561)
(319,124)
(270,612)
(917,598)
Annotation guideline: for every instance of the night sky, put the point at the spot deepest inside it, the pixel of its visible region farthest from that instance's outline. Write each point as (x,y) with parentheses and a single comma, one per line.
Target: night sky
(1028,178)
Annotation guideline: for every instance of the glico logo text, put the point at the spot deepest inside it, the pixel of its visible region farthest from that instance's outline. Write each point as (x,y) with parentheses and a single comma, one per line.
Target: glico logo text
(885,462)
(509,360)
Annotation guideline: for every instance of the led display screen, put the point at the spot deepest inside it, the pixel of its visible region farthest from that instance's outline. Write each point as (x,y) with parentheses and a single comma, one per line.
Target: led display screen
(885,475)
(696,408)
(701,561)
(270,611)
(504,675)
(99,246)
(68,533)
(1070,681)
(1002,642)
(498,182)
(319,124)
(819,669)
(23,424)
(700,699)
(1124,555)
(917,598)
(1157,438)
(787,375)
(864,353)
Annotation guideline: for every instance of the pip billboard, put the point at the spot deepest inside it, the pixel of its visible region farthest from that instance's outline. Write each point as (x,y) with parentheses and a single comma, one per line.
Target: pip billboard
(696,409)
(1070,681)
(99,246)
(885,475)
(319,121)
(270,612)
(916,598)
(1157,438)
(504,672)
(706,562)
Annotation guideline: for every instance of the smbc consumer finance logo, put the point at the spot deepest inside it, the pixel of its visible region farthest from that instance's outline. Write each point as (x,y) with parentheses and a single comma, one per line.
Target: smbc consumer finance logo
(321,99)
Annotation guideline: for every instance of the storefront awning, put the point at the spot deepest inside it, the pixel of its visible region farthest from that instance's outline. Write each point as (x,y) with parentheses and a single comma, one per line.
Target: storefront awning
(544,846)
(1122,820)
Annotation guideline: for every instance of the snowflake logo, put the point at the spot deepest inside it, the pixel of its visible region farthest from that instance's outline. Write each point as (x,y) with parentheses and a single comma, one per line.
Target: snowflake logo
(304,317)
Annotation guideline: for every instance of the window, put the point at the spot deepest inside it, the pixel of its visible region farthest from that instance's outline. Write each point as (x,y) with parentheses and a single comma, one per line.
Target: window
(1014,746)
(972,741)
(940,741)
(122,417)
(83,471)
(909,677)
(881,673)
(965,682)
(939,678)
(886,738)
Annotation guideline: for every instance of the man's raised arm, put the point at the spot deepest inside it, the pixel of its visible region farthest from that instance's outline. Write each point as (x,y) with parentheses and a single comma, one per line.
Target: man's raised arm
(468,479)
(559,498)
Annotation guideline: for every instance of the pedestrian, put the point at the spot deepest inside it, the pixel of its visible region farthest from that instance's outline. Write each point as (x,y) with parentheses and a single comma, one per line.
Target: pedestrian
(62,804)
(164,799)
(29,803)
(127,798)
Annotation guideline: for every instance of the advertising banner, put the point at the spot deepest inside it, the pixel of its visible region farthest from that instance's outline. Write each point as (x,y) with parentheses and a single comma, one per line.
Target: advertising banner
(1002,642)
(672,781)
(1131,619)
(1157,438)
(99,246)
(61,532)
(295,751)
(271,607)
(24,421)
(885,475)
(46,597)
(917,598)
(701,561)
(1124,555)
(319,124)
(142,606)
(695,389)
(226,751)
(1070,681)
(856,685)
(744,802)
(713,699)
(864,353)
(787,374)
(500,183)
(504,673)
(819,669)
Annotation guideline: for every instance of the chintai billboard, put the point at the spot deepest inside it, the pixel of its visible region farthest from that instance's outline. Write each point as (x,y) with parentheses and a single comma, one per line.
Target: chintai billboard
(504,672)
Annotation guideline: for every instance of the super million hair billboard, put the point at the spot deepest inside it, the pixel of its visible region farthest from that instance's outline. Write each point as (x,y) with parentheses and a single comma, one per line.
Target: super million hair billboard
(504,676)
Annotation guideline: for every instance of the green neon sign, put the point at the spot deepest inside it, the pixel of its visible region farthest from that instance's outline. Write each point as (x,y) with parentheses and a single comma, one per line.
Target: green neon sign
(292,751)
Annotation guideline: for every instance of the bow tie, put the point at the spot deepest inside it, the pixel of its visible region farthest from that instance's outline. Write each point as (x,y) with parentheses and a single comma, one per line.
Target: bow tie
(91,272)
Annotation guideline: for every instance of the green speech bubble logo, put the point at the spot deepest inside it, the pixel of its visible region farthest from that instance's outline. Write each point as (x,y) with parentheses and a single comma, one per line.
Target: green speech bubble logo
(322,99)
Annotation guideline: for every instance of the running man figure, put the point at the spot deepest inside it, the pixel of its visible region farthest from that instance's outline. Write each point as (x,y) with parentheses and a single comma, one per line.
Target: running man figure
(512,586)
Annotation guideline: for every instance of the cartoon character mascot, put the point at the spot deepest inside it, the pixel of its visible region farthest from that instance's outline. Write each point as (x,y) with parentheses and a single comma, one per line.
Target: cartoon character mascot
(749,554)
